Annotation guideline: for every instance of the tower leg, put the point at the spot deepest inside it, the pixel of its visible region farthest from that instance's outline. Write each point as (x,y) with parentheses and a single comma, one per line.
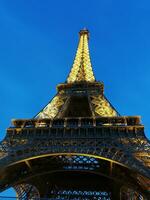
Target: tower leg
(116,195)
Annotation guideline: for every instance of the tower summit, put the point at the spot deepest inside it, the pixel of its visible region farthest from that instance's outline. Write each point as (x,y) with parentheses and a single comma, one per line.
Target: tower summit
(78,147)
(82,68)
(82,95)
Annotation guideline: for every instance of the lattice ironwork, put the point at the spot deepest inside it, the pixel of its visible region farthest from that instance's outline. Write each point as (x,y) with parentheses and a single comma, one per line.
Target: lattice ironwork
(52,109)
(102,107)
(129,194)
(26,192)
(82,68)
(79,138)
(78,162)
(80,195)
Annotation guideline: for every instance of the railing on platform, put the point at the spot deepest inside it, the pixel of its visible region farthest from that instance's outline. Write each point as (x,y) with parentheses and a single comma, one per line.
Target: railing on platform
(78,122)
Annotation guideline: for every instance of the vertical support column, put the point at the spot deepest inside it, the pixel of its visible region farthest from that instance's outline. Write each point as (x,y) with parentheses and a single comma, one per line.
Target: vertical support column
(116,193)
(111,168)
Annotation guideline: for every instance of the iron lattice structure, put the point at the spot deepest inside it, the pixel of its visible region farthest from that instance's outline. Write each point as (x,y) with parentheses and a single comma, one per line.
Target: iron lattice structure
(78,146)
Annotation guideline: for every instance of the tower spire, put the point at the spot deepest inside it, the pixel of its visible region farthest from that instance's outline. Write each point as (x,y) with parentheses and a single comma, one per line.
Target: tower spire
(82,67)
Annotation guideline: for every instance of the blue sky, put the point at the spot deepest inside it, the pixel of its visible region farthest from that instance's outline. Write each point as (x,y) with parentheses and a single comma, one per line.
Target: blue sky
(38,40)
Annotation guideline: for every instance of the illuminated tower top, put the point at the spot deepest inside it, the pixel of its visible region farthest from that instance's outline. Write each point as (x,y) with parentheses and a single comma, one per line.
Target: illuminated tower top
(82,68)
(81,95)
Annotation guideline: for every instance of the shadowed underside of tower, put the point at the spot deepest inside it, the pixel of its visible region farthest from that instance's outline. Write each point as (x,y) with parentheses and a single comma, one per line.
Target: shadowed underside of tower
(78,146)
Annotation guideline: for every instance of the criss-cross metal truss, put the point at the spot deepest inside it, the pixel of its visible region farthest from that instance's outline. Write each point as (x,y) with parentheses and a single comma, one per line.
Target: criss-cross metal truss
(26,191)
(79,138)
(82,68)
(81,72)
(84,195)
(97,102)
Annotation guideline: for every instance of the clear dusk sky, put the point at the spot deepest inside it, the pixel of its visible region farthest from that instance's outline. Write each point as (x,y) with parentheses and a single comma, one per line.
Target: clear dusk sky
(38,40)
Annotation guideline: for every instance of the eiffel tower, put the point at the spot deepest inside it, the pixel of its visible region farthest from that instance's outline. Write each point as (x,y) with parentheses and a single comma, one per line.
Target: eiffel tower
(78,146)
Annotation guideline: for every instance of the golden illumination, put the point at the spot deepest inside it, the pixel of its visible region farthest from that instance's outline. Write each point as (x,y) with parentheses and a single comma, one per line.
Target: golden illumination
(82,68)
(67,154)
(52,109)
(102,106)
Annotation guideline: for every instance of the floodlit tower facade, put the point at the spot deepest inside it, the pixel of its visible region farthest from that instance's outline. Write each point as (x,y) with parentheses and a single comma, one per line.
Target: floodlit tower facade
(78,146)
